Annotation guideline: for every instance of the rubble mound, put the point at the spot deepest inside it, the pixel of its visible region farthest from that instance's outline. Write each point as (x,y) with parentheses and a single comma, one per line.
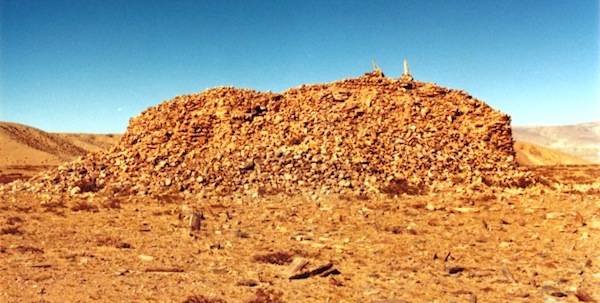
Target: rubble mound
(367,134)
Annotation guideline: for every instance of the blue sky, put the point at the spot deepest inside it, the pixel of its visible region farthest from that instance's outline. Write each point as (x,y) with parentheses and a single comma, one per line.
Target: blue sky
(89,66)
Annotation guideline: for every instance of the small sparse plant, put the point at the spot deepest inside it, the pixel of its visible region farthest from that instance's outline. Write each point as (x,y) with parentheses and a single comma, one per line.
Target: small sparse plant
(394,229)
(397,187)
(268,191)
(13,220)
(31,249)
(279,258)
(109,241)
(12,230)
(457,179)
(351,198)
(202,299)
(523,182)
(87,186)
(266,296)
(168,198)
(113,204)
(53,206)
(84,206)
(23,209)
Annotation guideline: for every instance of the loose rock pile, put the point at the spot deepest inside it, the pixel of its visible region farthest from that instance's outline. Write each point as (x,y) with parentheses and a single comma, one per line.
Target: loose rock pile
(368,134)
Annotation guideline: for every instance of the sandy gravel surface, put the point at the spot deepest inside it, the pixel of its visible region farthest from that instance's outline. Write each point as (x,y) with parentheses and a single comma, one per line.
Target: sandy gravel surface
(535,246)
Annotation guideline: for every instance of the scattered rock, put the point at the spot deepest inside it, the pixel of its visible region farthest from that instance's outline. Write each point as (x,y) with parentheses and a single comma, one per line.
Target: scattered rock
(465,210)
(508,274)
(164,269)
(74,190)
(249,283)
(297,265)
(195,220)
(146,258)
(321,270)
(455,269)
(584,296)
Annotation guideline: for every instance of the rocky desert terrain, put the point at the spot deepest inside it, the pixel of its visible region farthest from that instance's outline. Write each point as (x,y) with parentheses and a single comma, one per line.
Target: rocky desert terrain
(368,189)
(530,154)
(26,150)
(581,140)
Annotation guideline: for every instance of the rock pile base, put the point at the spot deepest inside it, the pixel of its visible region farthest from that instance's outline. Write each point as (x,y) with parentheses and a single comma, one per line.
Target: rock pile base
(368,134)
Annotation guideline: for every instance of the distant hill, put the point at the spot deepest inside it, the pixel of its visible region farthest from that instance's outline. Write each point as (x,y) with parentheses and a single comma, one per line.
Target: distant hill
(25,145)
(26,150)
(91,142)
(533,154)
(580,140)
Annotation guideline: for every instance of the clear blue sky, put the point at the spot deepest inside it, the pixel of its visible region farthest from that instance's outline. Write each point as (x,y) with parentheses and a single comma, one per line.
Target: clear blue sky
(89,66)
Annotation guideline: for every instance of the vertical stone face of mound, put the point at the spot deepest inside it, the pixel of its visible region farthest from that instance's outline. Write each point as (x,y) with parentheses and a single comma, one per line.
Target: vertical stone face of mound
(357,135)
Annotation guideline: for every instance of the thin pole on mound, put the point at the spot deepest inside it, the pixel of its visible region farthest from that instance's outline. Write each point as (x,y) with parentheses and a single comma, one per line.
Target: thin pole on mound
(406,76)
(375,67)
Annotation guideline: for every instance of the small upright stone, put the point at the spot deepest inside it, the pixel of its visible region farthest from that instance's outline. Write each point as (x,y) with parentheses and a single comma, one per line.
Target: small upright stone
(75,190)
(406,76)
(195,220)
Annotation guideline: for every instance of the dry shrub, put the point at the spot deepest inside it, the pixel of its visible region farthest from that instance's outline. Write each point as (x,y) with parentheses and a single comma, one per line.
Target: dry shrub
(394,229)
(351,198)
(113,203)
(53,206)
(13,220)
(12,230)
(487,198)
(87,186)
(84,206)
(593,191)
(402,186)
(202,299)
(345,197)
(418,205)
(268,191)
(23,209)
(279,258)
(457,179)
(168,198)
(295,139)
(106,241)
(109,241)
(488,181)
(362,197)
(266,296)
(580,179)
(523,182)
(123,245)
(31,249)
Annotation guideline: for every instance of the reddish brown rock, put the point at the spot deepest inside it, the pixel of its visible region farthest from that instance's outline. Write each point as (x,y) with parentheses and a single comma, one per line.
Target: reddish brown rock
(360,135)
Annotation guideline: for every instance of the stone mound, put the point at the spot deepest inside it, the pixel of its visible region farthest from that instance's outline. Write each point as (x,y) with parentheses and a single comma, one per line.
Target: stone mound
(368,134)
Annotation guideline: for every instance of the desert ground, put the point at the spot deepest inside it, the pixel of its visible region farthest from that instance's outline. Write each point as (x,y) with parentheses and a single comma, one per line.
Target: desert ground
(523,246)
(534,245)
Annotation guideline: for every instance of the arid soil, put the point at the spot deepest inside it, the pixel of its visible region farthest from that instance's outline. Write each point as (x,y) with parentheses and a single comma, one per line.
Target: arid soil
(537,245)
